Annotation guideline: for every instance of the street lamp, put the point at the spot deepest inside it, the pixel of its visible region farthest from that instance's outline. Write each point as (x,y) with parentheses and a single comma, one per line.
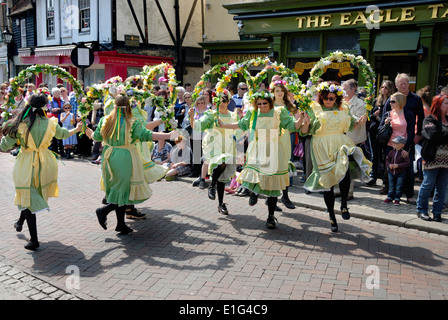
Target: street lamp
(7,37)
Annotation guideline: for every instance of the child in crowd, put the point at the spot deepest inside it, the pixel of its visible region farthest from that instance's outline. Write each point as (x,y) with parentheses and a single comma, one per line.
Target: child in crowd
(396,166)
(68,120)
(180,159)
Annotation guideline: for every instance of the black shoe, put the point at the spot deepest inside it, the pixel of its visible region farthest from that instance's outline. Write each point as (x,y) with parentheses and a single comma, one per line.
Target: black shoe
(244,192)
(253,199)
(196,182)
(211,192)
(18,226)
(372,182)
(102,218)
(270,223)
(222,208)
(345,214)
(134,214)
(287,203)
(104,201)
(437,217)
(124,229)
(202,184)
(425,217)
(32,245)
(333,225)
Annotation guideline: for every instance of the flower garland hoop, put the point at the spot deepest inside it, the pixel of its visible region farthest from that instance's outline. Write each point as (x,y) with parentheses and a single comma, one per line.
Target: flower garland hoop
(357,61)
(36,70)
(217,70)
(148,74)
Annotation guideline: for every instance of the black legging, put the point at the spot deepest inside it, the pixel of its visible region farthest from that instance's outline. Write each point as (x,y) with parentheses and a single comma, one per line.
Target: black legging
(272,204)
(344,187)
(219,185)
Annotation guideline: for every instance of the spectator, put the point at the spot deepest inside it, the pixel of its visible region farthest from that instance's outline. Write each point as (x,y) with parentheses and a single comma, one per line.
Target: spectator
(196,140)
(237,99)
(68,122)
(396,166)
(435,160)
(188,87)
(376,149)
(414,117)
(188,104)
(161,153)
(180,159)
(179,107)
(64,94)
(56,110)
(357,109)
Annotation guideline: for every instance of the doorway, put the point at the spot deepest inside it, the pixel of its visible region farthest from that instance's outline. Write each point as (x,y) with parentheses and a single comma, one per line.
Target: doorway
(387,67)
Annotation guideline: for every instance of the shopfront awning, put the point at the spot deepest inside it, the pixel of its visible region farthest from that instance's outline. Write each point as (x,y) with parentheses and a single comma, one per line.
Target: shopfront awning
(396,41)
(59,51)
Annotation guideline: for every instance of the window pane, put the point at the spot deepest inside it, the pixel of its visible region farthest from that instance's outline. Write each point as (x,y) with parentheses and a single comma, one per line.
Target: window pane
(342,42)
(305,44)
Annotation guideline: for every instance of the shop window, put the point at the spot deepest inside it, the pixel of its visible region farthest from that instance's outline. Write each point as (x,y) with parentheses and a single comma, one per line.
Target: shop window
(305,44)
(23,33)
(342,42)
(50,19)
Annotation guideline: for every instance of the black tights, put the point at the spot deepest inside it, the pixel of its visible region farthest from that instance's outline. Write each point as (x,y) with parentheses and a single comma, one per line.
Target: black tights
(329,198)
(272,203)
(219,185)
(32,224)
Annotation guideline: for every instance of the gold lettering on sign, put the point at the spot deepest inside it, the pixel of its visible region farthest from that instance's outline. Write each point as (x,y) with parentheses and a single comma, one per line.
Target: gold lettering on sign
(407,14)
(325,20)
(345,19)
(311,19)
(300,19)
(435,10)
(389,16)
(360,18)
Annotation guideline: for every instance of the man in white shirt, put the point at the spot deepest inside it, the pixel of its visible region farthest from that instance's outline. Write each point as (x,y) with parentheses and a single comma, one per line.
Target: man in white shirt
(358,110)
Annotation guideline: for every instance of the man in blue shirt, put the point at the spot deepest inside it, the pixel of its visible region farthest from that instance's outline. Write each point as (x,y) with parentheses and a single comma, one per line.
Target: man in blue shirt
(237,99)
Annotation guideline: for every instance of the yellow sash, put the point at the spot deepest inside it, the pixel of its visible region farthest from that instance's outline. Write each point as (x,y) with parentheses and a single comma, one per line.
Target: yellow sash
(33,160)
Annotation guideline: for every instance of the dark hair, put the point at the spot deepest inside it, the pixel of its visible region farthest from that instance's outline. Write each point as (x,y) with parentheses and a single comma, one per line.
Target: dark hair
(27,115)
(225,98)
(323,95)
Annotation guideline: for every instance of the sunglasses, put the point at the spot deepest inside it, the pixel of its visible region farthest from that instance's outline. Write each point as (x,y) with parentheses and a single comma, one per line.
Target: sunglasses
(244,89)
(329,99)
(392,101)
(187,98)
(262,103)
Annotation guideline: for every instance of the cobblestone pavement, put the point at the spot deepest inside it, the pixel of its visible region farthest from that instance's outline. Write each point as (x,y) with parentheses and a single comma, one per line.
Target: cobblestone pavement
(186,250)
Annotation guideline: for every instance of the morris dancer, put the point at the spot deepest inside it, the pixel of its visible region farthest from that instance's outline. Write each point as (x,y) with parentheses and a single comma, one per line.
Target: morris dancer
(218,147)
(331,148)
(266,169)
(35,169)
(122,170)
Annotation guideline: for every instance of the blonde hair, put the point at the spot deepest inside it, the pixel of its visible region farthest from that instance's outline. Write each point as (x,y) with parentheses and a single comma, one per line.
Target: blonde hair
(121,106)
(400,98)
(402,76)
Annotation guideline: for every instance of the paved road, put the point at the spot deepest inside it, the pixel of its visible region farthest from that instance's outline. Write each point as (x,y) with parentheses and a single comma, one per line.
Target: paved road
(186,250)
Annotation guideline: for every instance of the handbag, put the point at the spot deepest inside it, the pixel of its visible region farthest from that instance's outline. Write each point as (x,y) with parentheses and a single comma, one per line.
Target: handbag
(429,150)
(384,134)
(298,150)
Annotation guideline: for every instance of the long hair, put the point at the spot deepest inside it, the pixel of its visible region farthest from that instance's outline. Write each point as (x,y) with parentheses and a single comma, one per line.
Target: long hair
(28,115)
(379,99)
(436,106)
(122,107)
(289,106)
(399,98)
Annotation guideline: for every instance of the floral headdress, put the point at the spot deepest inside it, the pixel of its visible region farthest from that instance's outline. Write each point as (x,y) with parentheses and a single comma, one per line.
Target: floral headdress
(277,83)
(261,95)
(330,87)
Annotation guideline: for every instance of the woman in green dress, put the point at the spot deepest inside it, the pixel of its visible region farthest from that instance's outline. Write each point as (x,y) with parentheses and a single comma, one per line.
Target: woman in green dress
(332,149)
(35,169)
(123,177)
(218,147)
(266,167)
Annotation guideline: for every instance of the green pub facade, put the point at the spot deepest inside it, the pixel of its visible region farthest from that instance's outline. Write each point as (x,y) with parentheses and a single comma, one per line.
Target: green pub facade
(400,36)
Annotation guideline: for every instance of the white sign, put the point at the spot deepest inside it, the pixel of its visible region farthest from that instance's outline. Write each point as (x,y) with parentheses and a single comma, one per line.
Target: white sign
(83,57)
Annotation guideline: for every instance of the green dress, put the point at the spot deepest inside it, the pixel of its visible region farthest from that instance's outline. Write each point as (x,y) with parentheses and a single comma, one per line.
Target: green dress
(266,167)
(123,178)
(35,168)
(331,148)
(218,145)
